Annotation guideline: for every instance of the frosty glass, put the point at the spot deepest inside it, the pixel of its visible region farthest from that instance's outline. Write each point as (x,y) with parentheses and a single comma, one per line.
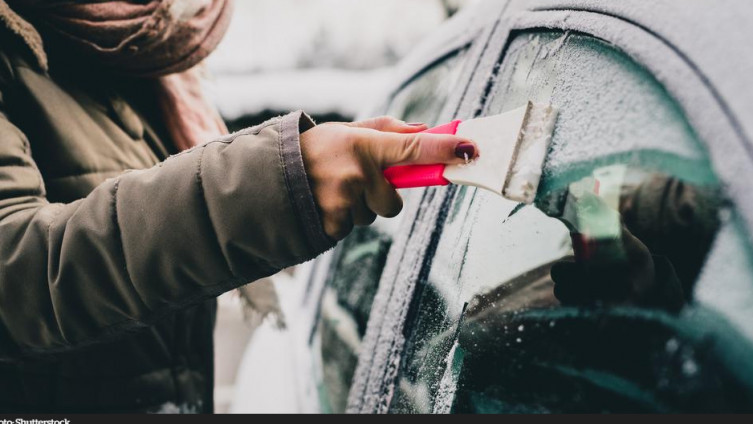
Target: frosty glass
(357,266)
(594,298)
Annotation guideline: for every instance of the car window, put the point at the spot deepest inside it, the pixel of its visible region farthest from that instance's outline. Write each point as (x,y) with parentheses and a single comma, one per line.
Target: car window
(423,98)
(358,260)
(595,298)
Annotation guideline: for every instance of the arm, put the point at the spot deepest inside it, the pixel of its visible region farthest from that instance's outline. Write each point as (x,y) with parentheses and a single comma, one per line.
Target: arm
(203,222)
(148,242)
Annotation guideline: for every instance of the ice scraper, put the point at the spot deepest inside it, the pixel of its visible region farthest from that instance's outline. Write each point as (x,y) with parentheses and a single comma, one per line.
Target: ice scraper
(512,148)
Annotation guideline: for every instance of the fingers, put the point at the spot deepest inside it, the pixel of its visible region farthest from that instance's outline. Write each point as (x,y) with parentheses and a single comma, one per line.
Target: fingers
(362,214)
(569,287)
(389,124)
(390,149)
(345,162)
(343,202)
(337,216)
(338,224)
(382,198)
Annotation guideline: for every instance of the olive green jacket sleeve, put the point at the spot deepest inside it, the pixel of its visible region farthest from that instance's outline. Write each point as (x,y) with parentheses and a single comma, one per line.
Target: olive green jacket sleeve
(150,241)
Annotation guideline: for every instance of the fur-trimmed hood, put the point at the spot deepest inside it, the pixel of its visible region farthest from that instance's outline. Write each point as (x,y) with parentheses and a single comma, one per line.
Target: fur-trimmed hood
(25,31)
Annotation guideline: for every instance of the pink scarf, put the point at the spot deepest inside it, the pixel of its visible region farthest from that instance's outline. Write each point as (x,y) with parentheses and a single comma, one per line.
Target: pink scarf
(161,39)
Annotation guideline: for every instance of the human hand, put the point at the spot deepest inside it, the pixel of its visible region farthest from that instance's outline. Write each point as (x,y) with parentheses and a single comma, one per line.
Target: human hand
(621,273)
(637,279)
(345,163)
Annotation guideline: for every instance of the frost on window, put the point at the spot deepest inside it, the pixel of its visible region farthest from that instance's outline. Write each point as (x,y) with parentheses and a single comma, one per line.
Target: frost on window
(595,298)
(354,278)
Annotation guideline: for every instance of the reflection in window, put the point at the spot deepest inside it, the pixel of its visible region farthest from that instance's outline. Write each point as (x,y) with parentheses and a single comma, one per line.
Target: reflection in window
(359,259)
(594,330)
(646,234)
(587,300)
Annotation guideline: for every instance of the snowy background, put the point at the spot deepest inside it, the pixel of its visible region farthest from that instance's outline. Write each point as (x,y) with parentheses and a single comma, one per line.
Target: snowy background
(330,58)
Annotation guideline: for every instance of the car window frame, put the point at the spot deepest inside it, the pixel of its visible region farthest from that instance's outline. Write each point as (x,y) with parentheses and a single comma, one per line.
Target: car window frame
(378,365)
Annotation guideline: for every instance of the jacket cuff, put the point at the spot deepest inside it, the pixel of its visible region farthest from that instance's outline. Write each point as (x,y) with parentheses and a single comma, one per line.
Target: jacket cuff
(291,127)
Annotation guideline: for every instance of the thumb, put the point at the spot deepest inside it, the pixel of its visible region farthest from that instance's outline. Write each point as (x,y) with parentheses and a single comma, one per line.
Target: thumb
(390,149)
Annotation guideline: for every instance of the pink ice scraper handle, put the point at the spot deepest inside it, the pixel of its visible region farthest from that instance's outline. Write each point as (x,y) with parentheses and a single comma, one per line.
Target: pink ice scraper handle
(409,176)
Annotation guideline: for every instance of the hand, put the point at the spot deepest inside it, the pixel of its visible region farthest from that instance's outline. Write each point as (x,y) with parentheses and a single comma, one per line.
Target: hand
(344,163)
(640,279)
(617,272)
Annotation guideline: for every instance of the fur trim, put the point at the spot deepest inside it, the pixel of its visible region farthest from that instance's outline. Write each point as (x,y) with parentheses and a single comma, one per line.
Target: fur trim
(28,34)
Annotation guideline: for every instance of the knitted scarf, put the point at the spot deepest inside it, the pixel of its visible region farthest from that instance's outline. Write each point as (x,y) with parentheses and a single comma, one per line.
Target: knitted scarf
(158,39)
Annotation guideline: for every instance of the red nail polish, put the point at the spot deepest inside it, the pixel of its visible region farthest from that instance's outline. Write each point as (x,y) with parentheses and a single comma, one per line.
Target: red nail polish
(465,150)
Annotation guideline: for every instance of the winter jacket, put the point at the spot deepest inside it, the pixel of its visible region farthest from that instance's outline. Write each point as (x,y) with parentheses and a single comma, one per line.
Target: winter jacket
(112,249)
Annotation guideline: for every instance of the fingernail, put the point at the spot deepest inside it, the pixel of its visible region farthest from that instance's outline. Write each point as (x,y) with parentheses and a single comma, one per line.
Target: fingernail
(465,150)
(416,124)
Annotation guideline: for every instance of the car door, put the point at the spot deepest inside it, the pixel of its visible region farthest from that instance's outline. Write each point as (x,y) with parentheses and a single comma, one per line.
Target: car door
(347,280)
(349,288)
(627,285)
